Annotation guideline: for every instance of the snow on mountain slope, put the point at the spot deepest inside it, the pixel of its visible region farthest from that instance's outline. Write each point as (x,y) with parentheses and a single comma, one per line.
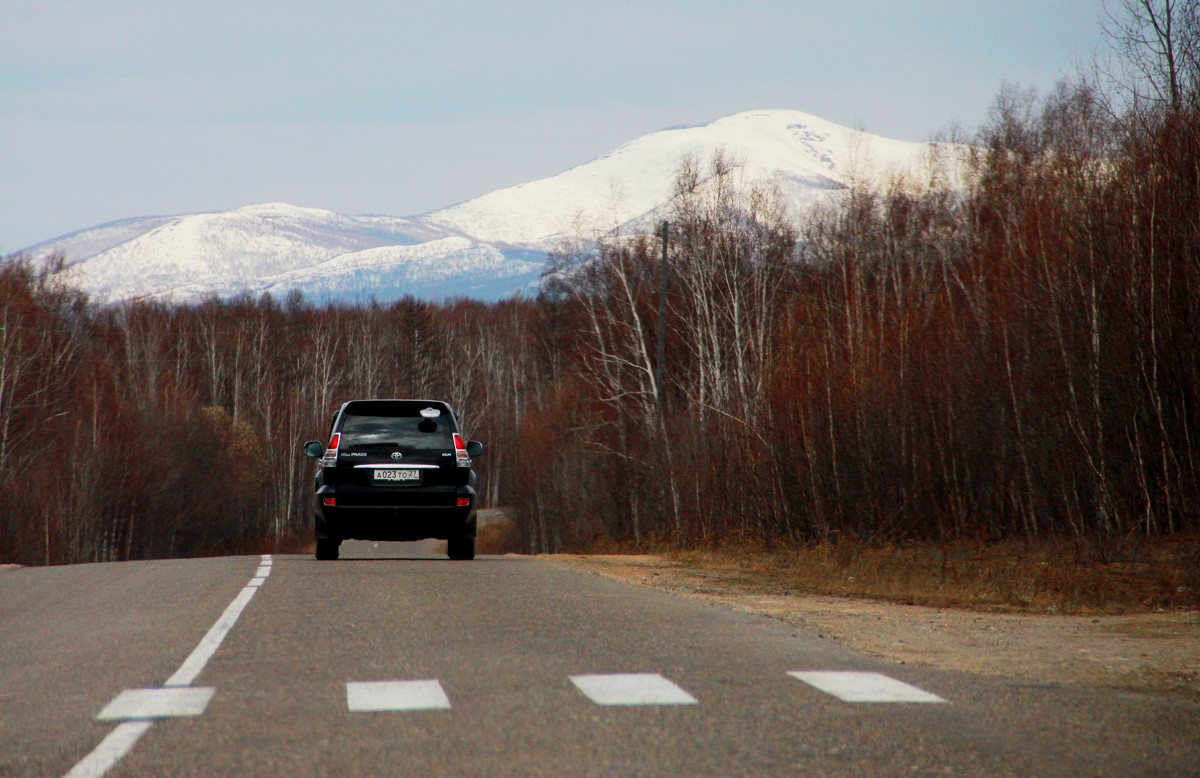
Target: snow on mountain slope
(807,156)
(488,247)
(95,240)
(228,252)
(437,269)
(433,270)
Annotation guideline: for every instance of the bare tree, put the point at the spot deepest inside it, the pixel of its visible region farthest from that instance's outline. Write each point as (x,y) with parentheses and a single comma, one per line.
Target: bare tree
(1157,47)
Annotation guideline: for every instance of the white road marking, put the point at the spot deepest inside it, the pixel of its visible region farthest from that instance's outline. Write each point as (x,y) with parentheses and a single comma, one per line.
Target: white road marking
(256,582)
(209,644)
(111,750)
(263,571)
(631,689)
(157,703)
(865,687)
(117,744)
(380,696)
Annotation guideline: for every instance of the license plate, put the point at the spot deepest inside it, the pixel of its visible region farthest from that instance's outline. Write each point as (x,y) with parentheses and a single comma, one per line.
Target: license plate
(396,476)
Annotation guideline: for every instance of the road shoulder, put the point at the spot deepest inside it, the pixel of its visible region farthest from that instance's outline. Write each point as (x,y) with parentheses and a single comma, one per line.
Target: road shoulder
(1149,652)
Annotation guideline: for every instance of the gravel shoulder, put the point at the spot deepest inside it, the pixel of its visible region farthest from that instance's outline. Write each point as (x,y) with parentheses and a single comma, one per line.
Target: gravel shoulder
(1157,652)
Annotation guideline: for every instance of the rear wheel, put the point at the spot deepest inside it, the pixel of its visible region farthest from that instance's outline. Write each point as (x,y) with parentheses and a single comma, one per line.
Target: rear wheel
(460,548)
(327,548)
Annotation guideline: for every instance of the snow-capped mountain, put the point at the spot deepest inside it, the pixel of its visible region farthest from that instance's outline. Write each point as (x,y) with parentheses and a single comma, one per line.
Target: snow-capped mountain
(805,155)
(488,248)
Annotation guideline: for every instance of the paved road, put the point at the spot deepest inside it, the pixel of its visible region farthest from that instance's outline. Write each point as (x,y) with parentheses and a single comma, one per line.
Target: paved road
(392,661)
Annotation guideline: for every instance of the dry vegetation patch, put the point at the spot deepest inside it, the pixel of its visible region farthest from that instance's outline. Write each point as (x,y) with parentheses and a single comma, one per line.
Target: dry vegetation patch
(1000,611)
(496,534)
(1052,576)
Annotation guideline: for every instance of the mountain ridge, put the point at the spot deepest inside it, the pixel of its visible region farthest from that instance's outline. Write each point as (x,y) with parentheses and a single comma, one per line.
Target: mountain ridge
(491,246)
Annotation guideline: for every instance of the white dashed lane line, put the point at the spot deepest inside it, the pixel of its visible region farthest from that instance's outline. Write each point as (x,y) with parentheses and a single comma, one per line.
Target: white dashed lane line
(381,696)
(157,703)
(631,689)
(865,687)
(137,708)
(620,689)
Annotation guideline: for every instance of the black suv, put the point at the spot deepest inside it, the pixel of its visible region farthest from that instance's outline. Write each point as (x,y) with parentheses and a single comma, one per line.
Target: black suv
(395,470)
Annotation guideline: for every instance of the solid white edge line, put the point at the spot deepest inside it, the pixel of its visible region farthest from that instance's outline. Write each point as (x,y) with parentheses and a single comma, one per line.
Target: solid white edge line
(209,644)
(118,742)
(110,751)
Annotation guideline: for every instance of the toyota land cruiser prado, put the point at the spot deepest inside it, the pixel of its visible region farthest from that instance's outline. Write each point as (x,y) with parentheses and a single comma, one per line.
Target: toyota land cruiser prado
(395,470)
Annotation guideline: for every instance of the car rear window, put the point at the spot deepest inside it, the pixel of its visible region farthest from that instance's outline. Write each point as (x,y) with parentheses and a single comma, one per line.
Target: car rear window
(403,426)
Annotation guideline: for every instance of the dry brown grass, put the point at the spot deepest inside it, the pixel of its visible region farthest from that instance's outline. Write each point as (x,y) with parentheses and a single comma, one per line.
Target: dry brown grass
(1158,651)
(500,537)
(1050,576)
(1047,576)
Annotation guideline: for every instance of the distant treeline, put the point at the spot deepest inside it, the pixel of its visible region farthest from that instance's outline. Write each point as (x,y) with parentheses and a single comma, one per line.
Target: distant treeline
(1009,352)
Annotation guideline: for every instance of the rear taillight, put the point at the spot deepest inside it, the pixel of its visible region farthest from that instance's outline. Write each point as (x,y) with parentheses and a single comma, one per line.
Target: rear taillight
(331,452)
(463,502)
(460,452)
(329,501)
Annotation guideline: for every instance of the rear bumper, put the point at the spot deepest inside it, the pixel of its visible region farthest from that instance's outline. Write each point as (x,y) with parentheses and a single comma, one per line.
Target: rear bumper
(395,522)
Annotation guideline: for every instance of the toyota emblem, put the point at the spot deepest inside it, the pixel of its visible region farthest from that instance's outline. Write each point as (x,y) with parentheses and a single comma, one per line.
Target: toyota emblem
(397,455)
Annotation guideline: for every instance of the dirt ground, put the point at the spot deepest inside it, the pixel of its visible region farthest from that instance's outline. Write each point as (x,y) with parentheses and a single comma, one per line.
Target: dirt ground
(1157,652)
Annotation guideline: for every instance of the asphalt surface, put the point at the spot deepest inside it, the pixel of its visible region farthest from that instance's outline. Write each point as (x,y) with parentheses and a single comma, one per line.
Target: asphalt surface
(499,639)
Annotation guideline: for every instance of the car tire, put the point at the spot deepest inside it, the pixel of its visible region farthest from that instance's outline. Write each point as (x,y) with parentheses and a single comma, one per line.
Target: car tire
(327,548)
(460,548)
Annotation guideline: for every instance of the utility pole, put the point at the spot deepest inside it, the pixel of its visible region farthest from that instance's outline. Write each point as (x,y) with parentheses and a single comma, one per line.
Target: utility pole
(662,325)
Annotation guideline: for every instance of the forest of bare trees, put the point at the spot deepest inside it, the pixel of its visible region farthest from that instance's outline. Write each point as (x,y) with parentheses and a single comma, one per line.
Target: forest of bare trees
(1012,351)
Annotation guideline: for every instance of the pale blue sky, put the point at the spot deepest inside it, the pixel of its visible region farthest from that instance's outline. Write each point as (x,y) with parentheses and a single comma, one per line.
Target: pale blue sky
(136,107)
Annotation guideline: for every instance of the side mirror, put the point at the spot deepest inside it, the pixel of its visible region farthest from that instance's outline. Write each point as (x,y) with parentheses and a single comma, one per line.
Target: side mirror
(314,449)
(474,448)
